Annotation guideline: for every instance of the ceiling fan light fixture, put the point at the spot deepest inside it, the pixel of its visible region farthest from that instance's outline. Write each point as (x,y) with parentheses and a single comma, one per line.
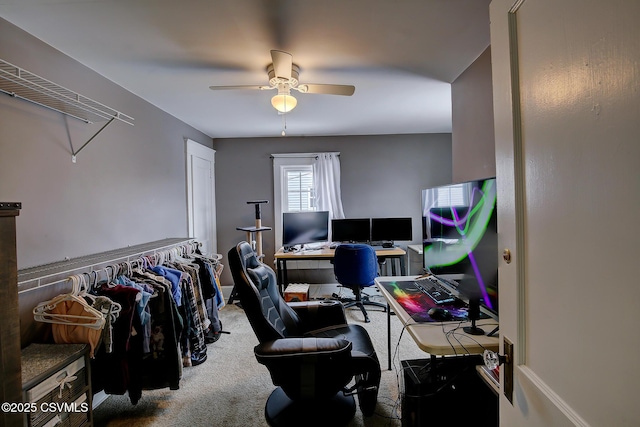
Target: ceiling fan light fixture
(283,76)
(284,103)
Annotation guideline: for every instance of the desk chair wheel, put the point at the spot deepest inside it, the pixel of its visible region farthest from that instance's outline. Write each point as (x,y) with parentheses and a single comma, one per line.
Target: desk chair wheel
(365,301)
(360,301)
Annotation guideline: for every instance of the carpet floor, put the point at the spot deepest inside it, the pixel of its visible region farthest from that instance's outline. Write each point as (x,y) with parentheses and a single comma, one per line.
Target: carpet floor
(230,388)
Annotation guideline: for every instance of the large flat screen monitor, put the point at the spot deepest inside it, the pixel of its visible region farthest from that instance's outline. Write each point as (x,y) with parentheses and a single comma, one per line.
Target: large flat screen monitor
(391,229)
(460,237)
(299,228)
(355,230)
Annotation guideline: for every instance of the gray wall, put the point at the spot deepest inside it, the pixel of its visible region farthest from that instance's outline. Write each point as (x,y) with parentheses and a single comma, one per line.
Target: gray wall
(473,142)
(381,176)
(127,187)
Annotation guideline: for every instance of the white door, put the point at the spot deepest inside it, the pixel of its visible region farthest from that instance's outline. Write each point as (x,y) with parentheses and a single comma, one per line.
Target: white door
(201,195)
(566,78)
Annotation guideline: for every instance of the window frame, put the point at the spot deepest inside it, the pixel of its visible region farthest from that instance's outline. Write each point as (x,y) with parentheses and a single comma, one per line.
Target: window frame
(282,163)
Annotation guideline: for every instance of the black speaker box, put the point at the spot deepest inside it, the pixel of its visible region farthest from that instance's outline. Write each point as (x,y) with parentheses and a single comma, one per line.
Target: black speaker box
(447,391)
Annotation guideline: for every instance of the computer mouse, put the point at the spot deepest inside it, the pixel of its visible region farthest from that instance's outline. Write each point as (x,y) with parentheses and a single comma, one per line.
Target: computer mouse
(439,313)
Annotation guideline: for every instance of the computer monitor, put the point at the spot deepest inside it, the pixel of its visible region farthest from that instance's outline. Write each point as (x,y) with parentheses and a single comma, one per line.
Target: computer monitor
(446,226)
(351,230)
(460,238)
(391,229)
(299,228)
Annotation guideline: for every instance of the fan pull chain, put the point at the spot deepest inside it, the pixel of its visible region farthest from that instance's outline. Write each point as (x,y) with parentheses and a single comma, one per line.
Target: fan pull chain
(284,124)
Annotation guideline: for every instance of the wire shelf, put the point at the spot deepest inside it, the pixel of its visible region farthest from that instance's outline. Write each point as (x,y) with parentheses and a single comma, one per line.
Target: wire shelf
(23,84)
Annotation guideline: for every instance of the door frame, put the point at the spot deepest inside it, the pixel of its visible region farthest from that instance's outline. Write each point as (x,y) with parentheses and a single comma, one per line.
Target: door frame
(193,148)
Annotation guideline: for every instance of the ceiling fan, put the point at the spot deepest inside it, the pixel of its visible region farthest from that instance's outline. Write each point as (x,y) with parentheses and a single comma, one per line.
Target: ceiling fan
(283,76)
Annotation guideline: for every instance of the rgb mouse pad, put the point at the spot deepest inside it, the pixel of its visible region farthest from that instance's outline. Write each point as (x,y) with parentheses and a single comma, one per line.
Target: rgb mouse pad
(416,303)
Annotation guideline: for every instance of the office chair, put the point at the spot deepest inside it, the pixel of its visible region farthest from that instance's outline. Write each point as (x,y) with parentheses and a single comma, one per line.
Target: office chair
(356,267)
(311,352)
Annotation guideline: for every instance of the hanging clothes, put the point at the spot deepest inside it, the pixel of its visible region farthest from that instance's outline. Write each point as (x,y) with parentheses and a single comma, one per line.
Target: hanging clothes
(118,372)
(193,340)
(142,307)
(173,276)
(73,319)
(193,347)
(75,333)
(107,307)
(162,366)
(192,270)
(212,295)
(149,319)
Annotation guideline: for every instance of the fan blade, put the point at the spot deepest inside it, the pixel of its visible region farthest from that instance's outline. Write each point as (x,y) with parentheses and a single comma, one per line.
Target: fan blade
(345,90)
(240,87)
(282,63)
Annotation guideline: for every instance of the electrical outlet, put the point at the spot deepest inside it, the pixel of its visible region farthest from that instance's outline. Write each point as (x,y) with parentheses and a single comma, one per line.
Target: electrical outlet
(508,370)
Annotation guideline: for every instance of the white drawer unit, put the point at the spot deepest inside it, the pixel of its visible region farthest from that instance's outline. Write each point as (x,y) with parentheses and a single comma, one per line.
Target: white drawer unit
(56,384)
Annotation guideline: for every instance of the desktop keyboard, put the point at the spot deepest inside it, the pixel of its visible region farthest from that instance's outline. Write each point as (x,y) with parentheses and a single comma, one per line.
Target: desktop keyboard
(434,289)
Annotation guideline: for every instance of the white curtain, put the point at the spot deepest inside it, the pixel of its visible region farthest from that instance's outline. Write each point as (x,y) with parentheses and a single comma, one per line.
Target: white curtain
(326,177)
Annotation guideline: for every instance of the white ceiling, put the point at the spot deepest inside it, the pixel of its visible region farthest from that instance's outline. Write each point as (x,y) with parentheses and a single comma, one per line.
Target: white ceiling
(401,55)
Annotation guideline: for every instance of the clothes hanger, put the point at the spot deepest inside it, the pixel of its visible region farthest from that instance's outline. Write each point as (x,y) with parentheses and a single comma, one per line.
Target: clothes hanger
(180,255)
(214,257)
(93,318)
(84,286)
(160,258)
(148,261)
(111,271)
(139,264)
(84,283)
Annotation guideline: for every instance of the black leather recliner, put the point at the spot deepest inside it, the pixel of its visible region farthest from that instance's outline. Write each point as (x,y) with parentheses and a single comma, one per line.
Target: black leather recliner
(315,358)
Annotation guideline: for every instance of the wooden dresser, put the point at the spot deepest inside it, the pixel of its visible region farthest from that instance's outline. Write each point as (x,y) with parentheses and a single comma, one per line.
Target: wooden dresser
(9,315)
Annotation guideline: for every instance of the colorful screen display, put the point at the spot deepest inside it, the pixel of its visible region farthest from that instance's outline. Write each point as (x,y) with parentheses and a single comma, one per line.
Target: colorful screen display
(460,237)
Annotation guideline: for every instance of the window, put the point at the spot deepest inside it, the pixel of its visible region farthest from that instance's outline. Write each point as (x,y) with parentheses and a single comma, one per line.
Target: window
(295,189)
(298,192)
(292,187)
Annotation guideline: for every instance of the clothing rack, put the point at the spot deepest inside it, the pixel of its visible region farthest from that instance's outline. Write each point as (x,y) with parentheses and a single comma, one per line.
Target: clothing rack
(180,302)
(58,272)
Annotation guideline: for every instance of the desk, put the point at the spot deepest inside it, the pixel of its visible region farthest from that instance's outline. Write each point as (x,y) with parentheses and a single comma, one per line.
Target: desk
(436,338)
(282,257)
